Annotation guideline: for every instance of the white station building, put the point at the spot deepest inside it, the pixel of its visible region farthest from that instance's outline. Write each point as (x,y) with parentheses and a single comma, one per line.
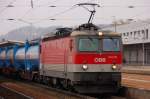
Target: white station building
(136,40)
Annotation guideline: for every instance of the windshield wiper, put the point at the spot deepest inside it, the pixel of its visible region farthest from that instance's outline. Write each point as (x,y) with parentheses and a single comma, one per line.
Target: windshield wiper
(91,39)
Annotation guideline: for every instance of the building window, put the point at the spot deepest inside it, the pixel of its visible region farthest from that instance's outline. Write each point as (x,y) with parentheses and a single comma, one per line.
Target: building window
(124,34)
(138,33)
(135,34)
(127,34)
(143,33)
(131,33)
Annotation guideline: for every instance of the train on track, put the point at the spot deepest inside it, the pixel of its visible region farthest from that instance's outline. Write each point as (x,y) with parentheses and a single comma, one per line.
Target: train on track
(84,59)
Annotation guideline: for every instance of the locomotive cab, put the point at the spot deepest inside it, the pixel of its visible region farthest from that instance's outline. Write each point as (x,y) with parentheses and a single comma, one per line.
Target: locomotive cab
(97,61)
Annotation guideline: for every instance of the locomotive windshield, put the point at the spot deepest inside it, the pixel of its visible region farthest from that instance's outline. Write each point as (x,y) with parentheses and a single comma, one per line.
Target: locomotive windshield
(92,44)
(111,44)
(88,44)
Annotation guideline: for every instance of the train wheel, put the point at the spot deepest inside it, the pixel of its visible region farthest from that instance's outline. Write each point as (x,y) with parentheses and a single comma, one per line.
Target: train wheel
(45,80)
(50,82)
(70,86)
(54,82)
(36,78)
(67,85)
(40,79)
(64,83)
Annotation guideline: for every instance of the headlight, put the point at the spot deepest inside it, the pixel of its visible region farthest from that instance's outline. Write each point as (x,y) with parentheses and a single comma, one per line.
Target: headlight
(85,67)
(114,67)
(100,33)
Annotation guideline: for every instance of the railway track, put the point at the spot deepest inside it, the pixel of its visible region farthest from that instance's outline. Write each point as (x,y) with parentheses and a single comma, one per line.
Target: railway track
(8,93)
(78,96)
(32,90)
(117,97)
(62,93)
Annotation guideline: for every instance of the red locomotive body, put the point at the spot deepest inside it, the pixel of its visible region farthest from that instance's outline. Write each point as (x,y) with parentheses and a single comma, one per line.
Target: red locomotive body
(85,61)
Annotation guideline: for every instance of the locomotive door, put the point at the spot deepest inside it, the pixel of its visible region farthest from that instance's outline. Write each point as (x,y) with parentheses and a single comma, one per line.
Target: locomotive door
(65,63)
(67,52)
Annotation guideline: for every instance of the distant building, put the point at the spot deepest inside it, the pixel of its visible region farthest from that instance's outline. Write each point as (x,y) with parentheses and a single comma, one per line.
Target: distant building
(136,40)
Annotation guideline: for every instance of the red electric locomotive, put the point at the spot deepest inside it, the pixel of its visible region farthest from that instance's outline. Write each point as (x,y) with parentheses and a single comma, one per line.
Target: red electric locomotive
(84,60)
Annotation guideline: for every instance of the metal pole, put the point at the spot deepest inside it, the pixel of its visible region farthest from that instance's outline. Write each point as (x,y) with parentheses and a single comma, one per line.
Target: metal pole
(91,16)
(31,31)
(143,48)
(115,23)
(115,27)
(31,3)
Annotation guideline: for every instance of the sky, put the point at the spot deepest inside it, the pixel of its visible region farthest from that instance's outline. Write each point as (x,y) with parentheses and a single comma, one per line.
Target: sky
(66,13)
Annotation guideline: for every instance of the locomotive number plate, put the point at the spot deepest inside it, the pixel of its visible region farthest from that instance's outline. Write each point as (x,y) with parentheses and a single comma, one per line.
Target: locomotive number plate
(100,60)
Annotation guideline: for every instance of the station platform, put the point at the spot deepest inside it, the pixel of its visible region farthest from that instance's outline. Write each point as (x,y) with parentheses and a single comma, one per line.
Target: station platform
(136,77)
(136,69)
(136,81)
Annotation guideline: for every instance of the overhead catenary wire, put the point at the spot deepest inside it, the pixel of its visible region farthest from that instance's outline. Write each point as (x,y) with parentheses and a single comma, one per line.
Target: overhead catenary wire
(135,17)
(139,14)
(74,6)
(31,9)
(52,17)
(79,18)
(48,3)
(73,19)
(62,12)
(56,14)
(102,6)
(6,7)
